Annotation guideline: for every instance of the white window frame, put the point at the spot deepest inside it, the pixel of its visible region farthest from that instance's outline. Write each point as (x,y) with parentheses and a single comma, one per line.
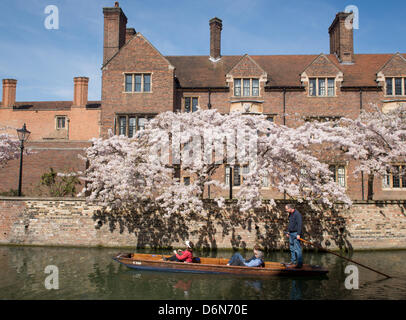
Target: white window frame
(137,116)
(403,86)
(337,166)
(390,187)
(56,122)
(133,74)
(316,89)
(191,102)
(250,87)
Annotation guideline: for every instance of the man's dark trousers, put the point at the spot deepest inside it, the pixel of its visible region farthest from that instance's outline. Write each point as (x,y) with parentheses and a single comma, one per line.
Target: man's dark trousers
(295,249)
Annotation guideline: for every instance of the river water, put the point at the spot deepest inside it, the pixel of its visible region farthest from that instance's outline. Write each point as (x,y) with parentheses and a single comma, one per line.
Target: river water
(90,273)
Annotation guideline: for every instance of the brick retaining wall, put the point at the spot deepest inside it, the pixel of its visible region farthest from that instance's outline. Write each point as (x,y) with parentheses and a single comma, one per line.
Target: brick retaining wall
(72,222)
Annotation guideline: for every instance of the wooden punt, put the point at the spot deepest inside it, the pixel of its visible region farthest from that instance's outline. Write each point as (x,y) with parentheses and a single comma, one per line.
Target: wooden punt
(154,262)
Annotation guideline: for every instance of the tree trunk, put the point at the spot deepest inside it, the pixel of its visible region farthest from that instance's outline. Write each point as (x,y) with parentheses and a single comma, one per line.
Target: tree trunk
(370,186)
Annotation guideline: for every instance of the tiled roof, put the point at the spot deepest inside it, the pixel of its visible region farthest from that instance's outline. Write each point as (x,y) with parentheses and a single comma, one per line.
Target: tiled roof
(199,71)
(282,70)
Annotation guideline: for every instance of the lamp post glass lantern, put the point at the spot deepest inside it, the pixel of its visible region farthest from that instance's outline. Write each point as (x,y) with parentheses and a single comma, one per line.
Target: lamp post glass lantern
(23,135)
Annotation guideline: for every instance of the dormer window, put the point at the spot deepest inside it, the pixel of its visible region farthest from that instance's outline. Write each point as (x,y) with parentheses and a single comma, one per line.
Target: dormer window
(395,86)
(250,87)
(321,87)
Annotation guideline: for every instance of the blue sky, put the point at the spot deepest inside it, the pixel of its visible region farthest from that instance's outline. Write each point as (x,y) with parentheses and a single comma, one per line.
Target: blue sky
(45,61)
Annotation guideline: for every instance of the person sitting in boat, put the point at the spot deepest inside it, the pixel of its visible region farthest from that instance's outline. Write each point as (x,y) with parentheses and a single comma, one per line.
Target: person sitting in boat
(256,261)
(256,248)
(183,256)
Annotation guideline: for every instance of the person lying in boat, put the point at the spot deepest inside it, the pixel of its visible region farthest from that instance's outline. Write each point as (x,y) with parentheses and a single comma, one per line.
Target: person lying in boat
(185,256)
(256,248)
(256,261)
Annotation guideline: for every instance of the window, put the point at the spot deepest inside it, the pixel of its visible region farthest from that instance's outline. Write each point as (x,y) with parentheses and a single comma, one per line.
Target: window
(396,177)
(128,82)
(186,181)
(255,87)
(128,125)
(398,86)
(246,91)
(322,118)
(395,86)
(265,182)
(270,118)
(238,175)
(330,88)
(122,125)
(389,86)
(250,87)
(138,82)
(132,126)
(338,172)
(191,103)
(227,176)
(147,82)
(237,87)
(61,122)
(322,87)
(312,87)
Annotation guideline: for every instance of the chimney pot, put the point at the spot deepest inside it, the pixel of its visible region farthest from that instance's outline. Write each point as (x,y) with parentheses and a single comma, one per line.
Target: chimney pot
(80,91)
(9,92)
(216,25)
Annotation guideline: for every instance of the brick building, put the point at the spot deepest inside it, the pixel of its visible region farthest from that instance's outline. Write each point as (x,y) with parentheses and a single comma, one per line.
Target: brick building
(60,130)
(139,82)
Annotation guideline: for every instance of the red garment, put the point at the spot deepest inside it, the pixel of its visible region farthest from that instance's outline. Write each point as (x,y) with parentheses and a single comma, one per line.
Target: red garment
(186,256)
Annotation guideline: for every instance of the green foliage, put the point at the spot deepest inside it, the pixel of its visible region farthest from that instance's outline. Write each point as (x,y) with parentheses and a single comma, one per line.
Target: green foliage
(59,186)
(10,193)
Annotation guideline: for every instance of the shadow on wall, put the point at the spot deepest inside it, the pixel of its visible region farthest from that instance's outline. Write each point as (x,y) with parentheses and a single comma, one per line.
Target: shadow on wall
(265,227)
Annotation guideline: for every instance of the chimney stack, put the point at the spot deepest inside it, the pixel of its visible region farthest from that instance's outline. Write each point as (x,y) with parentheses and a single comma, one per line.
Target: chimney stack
(9,93)
(216,25)
(341,37)
(80,91)
(115,23)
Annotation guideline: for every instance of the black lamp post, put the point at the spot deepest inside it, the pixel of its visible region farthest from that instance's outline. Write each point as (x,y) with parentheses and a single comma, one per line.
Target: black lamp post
(23,135)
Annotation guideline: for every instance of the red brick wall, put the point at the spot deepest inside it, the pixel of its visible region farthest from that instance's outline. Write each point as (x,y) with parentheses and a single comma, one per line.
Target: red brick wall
(137,56)
(61,156)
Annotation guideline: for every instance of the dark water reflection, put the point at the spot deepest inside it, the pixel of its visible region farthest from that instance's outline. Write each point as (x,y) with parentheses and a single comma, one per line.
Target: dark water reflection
(90,273)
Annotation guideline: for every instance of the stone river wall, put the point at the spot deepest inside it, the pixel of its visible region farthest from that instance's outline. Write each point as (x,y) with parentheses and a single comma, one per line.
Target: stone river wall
(72,222)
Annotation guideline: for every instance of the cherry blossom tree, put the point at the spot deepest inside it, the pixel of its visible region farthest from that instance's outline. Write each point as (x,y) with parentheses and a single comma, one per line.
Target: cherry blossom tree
(126,173)
(9,148)
(381,137)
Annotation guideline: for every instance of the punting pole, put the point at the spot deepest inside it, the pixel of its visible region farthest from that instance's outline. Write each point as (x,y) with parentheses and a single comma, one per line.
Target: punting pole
(336,254)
